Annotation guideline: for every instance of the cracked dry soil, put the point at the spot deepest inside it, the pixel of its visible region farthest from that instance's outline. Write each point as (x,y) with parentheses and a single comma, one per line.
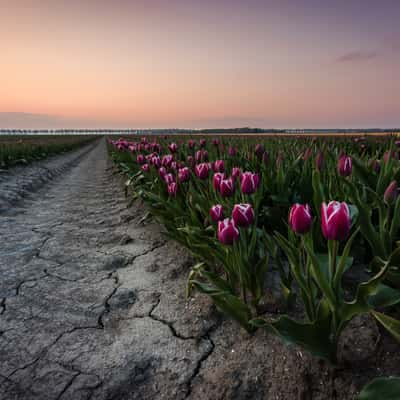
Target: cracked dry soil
(92,305)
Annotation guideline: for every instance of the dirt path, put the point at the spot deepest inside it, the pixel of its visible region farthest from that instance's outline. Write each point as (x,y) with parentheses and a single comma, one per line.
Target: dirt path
(92,305)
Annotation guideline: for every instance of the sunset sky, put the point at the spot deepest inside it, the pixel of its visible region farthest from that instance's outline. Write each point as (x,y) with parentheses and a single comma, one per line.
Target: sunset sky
(199,64)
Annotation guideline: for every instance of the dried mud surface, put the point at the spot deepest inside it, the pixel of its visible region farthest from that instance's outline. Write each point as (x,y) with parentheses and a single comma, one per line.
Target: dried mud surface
(92,306)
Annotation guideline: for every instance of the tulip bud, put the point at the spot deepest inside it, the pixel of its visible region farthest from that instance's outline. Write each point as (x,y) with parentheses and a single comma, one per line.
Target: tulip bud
(217,213)
(249,182)
(173,147)
(236,172)
(202,142)
(184,174)
(190,161)
(191,144)
(205,155)
(391,193)
(227,187)
(345,165)
(199,156)
(215,142)
(169,178)
(219,166)
(145,168)
(227,231)
(259,150)
(231,151)
(140,159)
(243,214)
(217,178)
(202,170)
(172,189)
(319,161)
(376,165)
(300,218)
(335,220)
(162,171)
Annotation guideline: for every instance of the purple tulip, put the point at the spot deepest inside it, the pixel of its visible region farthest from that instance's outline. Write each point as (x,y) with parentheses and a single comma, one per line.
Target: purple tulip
(172,189)
(145,168)
(162,171)
(231,151)
(219,166)
(391,193)
(335,220)
(202,142)
(217,213)
(243,214)
(300,218)
(217,178)
(236,172)
(169,178)
(156,161)
(190,161)
(199,156)
(227,187)
(140,159)
(202,170)
(173,147)
(227,231)
(249,182)
(191,144)
(215,142)
(184,174)
(345,165)
(167,160)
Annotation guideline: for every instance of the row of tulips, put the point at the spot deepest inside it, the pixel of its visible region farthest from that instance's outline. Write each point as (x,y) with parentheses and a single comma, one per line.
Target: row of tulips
(247,210)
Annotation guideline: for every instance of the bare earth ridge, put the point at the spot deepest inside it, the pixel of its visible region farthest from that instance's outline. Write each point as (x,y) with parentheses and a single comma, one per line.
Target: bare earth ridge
(92,305)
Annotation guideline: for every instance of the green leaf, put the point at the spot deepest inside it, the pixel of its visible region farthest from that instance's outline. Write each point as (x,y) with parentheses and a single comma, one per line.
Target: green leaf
(381,389)
(385,296)
(390,324)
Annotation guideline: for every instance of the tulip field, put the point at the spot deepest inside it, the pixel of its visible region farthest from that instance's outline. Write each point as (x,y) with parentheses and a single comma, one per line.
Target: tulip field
(321,213)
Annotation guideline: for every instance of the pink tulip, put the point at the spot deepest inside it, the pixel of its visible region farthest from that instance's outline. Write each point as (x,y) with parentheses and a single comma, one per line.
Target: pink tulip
(249,182)
(217,213)
(172,189)
(199,156)
(391,193)
(236,172)
(167,160)
(202,170)
(227,231)
(227,187)
(336,222)
(162,171)
(140,159)
(145,168)
(219,166)
(184,174)
(217,178)
(173,147)
(243,214)
(345,165)
(156,161)
(169,178)
(300,218)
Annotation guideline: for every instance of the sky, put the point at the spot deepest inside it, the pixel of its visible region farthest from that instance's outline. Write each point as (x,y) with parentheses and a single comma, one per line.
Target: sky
(199,64)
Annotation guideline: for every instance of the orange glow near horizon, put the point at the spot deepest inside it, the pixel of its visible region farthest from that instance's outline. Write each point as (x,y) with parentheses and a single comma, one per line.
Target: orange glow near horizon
(194,64)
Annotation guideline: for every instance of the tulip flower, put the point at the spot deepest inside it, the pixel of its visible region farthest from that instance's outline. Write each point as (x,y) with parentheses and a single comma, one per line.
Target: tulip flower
(184,174)
(205,155)
(249,182)
(215,142)
(236,172)
(172,189)
(219,166)
(199,156)
(336,222)
(319,161)
(243,214)
(227,187)
(202,170)
(173,147)
(140,159)
(217,178)
(227,231)
(174,165)
(217,213)
(259,150)
(145,168)
(169,178)
(391,193)
(376,165)
(300,218)
(190,161)
(345,165)
(231,151)
(202,142)
(156,161)
(191,144)
(167,160)
(162,171)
